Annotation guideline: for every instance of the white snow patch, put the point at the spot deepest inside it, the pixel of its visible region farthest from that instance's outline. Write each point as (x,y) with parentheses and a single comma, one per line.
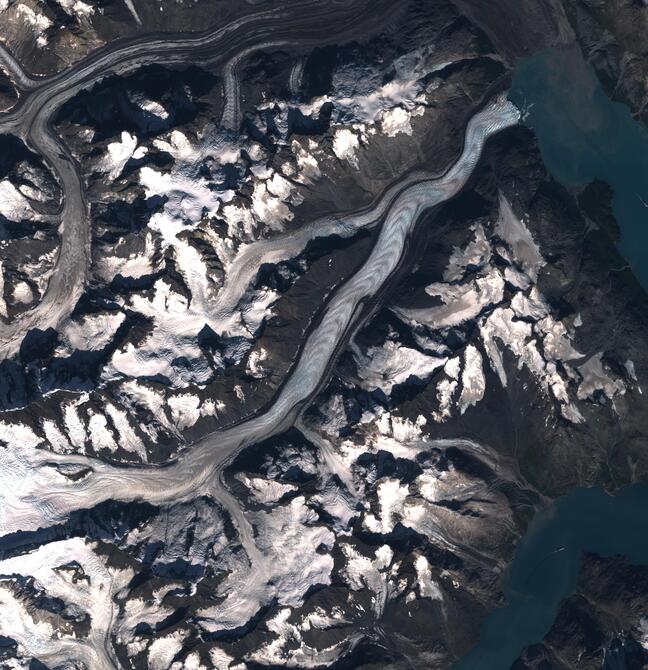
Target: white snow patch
(22,293)
(55,437)
(532,305)
(392,364)
(265,490)
(164,649)
(81,9)
(308,166)
(446,389)
(345,143)
(184,409)
(100,435)
(288,648)
(108,266)
(94,333)
(90,596)
(13,204)
(427,587)
(74,426)
(39,23)
(515,233)
(128,437)
(596,378)
(150,107)
(118,154)
(14,434)
(475,254)
(289,563)
(472,379)
(254,365)
(220,659)
(270,208)
(391,496)
(362,573)
(395,121)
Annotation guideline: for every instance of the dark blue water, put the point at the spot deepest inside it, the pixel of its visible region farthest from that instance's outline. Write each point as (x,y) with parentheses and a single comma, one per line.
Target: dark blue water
(546,565)
(583,135)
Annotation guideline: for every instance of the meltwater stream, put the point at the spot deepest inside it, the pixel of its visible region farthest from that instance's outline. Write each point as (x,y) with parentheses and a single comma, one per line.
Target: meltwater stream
(583,135)
(546,565)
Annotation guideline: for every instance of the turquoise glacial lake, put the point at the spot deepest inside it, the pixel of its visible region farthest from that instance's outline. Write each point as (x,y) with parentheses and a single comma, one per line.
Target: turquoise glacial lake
(546,565)
(583,136)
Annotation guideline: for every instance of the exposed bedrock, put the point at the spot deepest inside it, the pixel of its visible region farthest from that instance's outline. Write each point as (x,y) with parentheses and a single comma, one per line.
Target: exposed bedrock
(602,623)
(613,38)
(321,339)
(520,28)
